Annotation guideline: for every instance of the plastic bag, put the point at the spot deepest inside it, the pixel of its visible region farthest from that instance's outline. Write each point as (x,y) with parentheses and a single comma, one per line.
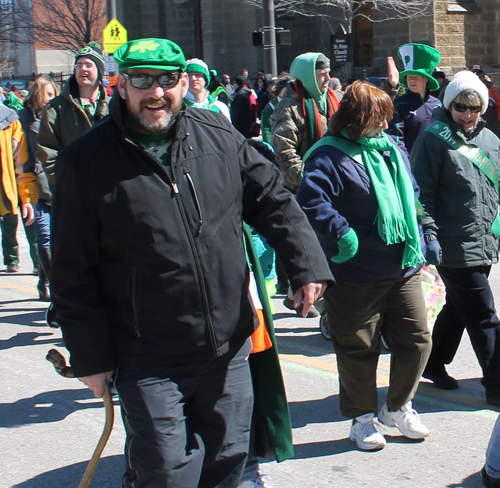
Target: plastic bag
(434,293)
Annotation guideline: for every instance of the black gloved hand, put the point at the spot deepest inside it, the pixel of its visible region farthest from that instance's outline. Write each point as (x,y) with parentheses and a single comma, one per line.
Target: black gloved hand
(434,252)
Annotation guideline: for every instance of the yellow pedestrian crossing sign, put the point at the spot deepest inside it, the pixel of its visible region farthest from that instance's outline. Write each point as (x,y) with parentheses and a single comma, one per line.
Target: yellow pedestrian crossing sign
(113,36)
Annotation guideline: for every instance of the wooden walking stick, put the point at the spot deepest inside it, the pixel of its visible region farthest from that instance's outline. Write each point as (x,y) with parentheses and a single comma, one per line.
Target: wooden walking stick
(60,366)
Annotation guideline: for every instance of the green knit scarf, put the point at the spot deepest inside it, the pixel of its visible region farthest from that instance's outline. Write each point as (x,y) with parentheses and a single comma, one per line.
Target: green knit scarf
(396,217)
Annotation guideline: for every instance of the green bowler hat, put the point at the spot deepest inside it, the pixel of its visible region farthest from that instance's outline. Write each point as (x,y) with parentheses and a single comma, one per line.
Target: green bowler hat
(419,59)
(160,54)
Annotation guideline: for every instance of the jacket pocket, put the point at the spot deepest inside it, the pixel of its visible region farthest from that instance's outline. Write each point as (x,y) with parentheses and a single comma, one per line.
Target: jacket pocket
(210,184)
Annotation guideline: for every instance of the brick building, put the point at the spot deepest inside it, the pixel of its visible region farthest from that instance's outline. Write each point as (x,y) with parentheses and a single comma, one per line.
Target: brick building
(220,32)
(29,56)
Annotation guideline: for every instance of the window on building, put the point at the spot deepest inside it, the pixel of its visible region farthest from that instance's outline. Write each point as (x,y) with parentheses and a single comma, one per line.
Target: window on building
(363,36)
(463,7)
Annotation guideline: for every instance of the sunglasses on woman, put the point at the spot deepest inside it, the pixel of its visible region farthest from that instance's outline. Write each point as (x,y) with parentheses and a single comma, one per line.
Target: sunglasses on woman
(166,80)
(461,107)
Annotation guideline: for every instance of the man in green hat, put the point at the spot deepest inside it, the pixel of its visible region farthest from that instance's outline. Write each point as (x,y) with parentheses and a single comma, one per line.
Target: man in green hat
(149,274)
(198,94)
(413,110)
(82,102)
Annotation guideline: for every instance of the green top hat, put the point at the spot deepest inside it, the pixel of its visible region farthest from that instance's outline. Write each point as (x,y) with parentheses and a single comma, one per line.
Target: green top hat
(419,59)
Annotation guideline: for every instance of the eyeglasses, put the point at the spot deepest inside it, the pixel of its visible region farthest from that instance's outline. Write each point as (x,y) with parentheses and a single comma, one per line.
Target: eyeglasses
(166,80)
(86,66)
(461,107)
(196,75)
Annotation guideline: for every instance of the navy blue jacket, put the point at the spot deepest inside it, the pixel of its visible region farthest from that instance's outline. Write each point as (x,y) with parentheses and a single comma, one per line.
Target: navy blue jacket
(336,194)
(412,116)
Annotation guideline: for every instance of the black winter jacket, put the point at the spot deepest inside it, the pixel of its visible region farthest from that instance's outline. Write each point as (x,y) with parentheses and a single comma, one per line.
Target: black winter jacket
(149,271)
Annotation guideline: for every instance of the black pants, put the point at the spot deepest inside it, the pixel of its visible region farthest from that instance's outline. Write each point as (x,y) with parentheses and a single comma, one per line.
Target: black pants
(469,305)
(187,426)
(358,312)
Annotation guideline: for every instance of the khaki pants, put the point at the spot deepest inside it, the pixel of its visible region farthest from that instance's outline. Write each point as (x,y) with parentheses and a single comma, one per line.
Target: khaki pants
(358,312)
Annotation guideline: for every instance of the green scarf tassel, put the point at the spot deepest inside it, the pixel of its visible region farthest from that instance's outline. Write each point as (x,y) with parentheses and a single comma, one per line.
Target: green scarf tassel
(396,217)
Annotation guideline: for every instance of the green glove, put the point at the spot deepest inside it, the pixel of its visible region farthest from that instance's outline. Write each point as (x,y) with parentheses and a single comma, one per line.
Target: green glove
(348,247)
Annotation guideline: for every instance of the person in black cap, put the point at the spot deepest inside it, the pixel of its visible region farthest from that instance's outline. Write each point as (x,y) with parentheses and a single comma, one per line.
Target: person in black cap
(80,105)
(243,107)
(440,76)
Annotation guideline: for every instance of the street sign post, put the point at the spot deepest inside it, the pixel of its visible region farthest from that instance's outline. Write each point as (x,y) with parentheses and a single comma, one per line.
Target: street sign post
(114,35)
(110,66)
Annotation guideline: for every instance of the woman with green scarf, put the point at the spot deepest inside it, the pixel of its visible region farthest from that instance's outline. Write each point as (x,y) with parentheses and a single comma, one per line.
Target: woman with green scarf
(360,197)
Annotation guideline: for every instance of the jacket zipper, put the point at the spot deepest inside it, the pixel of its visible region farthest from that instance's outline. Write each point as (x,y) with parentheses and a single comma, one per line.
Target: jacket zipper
(199,270)
(197,203)
(134,304)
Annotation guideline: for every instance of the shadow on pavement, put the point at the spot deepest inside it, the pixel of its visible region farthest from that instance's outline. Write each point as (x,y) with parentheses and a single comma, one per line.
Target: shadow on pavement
(297,330)
(29,318)
(326,410)
(323,448)
(108,474)
(8,302)
(315,411)
(16,275)
(472,481)
(51,406)
(29,339)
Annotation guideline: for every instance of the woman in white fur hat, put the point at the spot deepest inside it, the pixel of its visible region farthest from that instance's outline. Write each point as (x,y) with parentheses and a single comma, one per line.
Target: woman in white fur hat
(456,163)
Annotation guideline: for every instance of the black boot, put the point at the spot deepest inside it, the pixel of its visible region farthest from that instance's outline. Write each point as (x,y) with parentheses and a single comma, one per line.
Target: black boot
(43,291)
(50,317)
(43,282)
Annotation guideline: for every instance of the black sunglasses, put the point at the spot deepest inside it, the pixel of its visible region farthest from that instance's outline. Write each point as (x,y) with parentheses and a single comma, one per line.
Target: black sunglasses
(461,107)
(166,80)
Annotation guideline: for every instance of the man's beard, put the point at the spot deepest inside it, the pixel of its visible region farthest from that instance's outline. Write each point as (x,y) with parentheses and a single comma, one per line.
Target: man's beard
(136,120)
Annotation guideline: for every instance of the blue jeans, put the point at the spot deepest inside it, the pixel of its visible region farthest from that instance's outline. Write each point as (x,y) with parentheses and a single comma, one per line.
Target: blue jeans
(493,453)
(42,224)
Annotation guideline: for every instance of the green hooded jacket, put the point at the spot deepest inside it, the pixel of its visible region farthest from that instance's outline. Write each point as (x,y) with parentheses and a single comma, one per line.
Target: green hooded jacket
(304,69)
(289,131)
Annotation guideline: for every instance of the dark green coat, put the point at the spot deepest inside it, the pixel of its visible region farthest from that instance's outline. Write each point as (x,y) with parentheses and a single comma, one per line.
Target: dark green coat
(63,120)
(273,424)
(460,201)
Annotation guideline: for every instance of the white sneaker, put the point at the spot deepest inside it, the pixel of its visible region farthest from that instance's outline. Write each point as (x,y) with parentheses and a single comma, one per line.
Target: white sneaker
(406,420)
(365,433)
(258,482)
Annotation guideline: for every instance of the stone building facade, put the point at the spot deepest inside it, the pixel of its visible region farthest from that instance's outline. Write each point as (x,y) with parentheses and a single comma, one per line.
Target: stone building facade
(220,31)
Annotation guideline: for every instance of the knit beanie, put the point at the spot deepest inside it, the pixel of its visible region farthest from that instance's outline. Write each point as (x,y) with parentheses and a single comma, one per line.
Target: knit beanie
(462,81)
(198,66)
(322,62)
(93,52)
(240,81)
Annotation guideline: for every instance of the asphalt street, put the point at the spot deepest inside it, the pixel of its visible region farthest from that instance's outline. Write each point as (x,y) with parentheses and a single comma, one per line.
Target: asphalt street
(49,425)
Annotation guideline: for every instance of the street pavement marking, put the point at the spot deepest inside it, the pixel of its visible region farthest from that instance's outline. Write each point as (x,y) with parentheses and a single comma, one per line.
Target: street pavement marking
(427,393)
(382,380)
(29,290)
